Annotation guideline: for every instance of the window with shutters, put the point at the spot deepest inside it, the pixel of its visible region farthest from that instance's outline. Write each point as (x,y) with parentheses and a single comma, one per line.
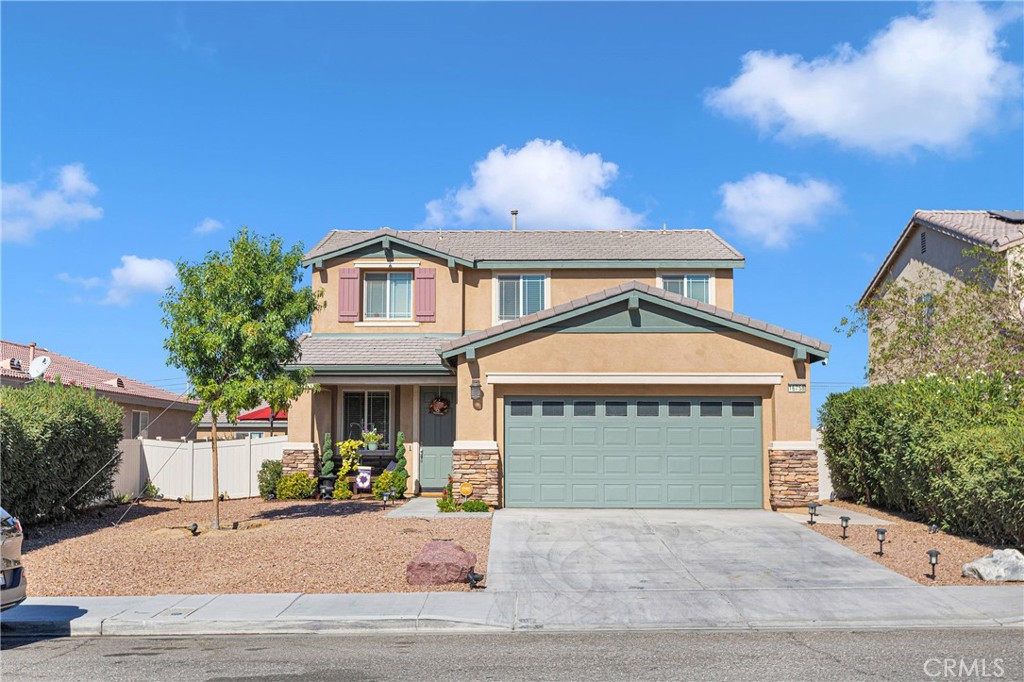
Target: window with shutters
(519,295)
(387,296)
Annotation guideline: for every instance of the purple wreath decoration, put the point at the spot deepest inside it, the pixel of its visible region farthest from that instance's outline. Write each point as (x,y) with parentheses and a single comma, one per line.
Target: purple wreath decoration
(363,480)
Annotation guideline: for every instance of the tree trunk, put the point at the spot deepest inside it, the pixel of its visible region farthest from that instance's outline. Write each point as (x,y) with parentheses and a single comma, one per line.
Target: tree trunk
(216,478)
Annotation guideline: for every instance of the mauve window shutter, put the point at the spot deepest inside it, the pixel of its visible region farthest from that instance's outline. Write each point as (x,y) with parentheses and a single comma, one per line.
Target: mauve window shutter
(424,293)
(348,294)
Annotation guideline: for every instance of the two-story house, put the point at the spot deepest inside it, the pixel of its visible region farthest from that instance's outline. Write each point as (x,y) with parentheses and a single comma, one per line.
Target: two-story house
(934,248)
(558,368)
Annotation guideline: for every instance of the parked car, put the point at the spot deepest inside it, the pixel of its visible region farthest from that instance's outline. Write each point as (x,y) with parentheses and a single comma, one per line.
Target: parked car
(12,577)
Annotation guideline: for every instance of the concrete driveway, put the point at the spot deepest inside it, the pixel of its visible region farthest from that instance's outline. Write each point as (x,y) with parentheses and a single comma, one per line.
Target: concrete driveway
(637,551)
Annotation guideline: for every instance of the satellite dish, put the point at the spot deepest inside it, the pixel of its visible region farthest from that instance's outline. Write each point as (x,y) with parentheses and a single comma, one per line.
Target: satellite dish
(38,367)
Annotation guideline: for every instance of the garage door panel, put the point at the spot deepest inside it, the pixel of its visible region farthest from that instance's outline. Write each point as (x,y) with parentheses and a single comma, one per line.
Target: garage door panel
(584,435)
(616,435)
(632,452)
(649,464)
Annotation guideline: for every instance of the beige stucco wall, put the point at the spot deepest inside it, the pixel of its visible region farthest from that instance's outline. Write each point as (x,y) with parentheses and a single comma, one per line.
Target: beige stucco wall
(300,419)
(638,353)
(465,297)
(175,422)
(943,256)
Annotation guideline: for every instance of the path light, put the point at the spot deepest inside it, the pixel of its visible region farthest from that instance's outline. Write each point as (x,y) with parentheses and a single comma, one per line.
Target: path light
(812,508)
(933,558)
(844,521)
(384,497)
(880,533)
(194,529)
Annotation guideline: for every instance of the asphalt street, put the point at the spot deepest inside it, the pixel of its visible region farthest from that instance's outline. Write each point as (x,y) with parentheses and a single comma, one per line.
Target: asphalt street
(519,656)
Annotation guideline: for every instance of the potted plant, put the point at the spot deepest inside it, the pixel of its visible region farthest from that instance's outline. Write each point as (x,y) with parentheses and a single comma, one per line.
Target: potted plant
(372,439)
(327,475)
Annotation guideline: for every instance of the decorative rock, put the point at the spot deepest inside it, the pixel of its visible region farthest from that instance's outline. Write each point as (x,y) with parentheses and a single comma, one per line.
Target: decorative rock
(439,563)
(1002,564)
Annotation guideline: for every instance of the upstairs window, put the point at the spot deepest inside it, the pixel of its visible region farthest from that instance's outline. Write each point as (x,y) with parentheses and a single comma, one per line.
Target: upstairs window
(387,296)
(520,295)
(140,423)
(691,286)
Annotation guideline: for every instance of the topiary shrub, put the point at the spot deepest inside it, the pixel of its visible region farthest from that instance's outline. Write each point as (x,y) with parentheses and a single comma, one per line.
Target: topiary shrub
(53,439)
(400,477)
(475,506)
(268,477)
(297,486)
(327,457)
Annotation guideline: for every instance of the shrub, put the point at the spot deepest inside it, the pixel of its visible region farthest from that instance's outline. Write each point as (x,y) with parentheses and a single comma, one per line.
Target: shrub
(149,490)
(297,486)
(446,502)
(350,456)
(342,491)
(915,446)
(383,484)
(475,506)
(54,438)
(269,476)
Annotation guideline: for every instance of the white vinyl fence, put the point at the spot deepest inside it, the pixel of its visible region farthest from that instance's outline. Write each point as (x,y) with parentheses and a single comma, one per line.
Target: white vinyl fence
(184,469)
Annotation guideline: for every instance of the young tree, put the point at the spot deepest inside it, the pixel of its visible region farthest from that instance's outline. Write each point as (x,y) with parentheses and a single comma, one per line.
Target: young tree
(950,326)
(234,323)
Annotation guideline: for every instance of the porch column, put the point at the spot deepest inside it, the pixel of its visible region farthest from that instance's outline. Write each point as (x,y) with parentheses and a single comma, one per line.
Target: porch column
(476,462)
(299,457)
(412,448)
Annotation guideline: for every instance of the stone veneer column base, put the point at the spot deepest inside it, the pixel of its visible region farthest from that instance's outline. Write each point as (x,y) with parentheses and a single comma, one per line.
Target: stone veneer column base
(793,477)
(299,457)
(479,465)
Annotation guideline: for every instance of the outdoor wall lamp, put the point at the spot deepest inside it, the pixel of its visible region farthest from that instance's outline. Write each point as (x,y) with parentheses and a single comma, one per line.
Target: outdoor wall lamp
(844,521)
(880,534)
(476,392)
(933,558)
(813,509)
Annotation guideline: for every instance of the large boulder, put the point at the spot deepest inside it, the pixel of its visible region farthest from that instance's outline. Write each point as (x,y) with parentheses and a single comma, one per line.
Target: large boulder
(440,562)
(1002,564)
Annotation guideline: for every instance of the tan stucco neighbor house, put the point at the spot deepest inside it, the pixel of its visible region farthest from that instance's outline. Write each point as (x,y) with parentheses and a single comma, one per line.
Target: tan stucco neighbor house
(149,411)
(581,368)
(931,247)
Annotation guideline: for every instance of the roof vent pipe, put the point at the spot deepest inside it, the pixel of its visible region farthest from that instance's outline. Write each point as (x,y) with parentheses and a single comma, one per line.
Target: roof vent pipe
(31,352)
(515,216)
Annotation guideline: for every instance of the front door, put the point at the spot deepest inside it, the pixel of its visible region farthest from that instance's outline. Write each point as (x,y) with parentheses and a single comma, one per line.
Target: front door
(437,435)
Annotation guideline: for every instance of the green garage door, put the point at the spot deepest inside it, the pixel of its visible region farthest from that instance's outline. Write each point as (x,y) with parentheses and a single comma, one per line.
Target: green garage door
(633,452)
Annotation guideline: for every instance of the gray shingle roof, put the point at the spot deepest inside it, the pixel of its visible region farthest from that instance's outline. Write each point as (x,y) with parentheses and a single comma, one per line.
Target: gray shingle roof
(329,350)
(997,229)
(477,245)
(721,313)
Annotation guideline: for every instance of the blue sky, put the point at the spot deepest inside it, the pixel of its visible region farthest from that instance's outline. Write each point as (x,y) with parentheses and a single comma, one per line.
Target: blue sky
(806,134)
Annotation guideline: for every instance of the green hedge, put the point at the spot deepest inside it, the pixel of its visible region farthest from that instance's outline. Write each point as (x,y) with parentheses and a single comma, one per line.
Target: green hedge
(918,445)
(53,438)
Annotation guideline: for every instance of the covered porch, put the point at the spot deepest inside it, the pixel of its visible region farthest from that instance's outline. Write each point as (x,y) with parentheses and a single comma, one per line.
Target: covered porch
(414,394)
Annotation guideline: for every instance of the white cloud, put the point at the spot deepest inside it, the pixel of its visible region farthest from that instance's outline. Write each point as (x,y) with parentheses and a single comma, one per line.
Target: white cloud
(926,81)
(208,225)
(771,209)
(138,275)
(28,209)
(553,187)
(84,282)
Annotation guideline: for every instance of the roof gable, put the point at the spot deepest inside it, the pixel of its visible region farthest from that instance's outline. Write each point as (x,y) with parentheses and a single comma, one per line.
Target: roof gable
(997,230)
(640,300)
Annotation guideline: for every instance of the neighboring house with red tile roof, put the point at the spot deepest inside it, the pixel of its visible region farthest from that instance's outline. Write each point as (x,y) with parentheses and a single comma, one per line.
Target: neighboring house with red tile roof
(255,423)
(148,411)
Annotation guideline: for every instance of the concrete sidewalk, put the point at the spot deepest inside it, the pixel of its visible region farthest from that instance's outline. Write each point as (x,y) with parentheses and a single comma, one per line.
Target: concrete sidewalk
(728,609)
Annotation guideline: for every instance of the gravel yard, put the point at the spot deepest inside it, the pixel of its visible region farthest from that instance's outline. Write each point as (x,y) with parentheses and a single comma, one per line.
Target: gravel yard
(301,546)
(905,545)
